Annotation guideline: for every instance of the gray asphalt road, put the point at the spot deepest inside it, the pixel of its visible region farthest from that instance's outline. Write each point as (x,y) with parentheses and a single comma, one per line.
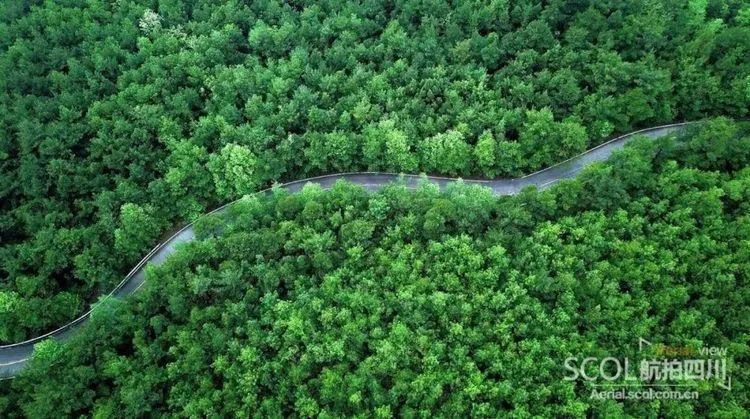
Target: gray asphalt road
(13,357)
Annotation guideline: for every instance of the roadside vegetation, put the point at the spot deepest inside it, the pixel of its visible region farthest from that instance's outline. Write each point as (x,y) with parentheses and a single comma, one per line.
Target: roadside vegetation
(419,303)
(122,119)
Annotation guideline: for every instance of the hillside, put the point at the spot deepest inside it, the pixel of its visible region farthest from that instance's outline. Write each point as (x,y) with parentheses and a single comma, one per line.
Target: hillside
(342,303)
(123,119)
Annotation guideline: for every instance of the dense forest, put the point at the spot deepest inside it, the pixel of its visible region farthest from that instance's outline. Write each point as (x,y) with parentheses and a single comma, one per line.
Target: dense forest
(342,303)
(121,119)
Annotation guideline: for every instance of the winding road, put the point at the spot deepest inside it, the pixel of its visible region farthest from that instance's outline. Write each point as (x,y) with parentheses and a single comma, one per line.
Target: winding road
(13,357)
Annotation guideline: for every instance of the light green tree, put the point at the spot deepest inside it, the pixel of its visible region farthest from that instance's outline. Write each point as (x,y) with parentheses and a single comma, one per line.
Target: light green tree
(233,170)
(485,153)
(446,153)
(138,229)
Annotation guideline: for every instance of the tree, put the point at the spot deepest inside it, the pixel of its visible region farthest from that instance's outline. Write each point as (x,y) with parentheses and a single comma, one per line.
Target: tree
(186,179)
(233,171)
(544,141)
(138,229)
(387,148)
(485,153)
(334,150)
(9,302)
(446,153)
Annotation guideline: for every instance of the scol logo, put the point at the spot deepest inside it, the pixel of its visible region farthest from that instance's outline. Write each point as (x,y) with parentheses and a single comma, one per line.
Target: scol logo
(660,366)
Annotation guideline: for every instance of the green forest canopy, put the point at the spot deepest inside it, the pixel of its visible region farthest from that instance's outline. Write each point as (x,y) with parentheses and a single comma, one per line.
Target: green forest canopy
(425,304)
(121,119)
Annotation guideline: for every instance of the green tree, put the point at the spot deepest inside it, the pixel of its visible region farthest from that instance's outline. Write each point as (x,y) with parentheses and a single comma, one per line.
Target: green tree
(485,153)
(544,141)
(233,171)
(138,229)
(387,148)
(334,150)
(446,153)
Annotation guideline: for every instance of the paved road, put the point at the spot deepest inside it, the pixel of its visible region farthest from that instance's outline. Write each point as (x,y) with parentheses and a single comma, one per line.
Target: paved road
(13,357)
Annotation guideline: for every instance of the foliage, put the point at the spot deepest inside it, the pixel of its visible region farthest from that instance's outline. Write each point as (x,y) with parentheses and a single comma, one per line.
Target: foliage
(423,303)
(138,229)
(181,106)
(233,170)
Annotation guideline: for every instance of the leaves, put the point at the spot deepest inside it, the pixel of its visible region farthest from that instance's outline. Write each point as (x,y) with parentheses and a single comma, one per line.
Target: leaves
(138,229)
(425,302)
(233,170)
(122,119)
(446,153)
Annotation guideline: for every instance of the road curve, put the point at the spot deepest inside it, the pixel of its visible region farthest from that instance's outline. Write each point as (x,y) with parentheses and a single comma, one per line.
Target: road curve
(13,357)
